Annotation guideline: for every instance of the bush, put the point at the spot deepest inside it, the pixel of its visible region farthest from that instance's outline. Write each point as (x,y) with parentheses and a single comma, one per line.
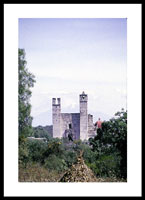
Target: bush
(36,150)
(53,162)
(110,143)
(23,151)
(70,157)
(45,153)
(89,155)
(108,165)
(40,132)
(53,147)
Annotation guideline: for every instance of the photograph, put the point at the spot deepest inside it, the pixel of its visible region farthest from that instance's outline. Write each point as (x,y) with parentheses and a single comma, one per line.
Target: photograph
(72,100)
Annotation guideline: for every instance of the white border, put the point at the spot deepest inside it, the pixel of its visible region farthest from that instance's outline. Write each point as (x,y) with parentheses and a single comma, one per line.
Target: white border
(11,14)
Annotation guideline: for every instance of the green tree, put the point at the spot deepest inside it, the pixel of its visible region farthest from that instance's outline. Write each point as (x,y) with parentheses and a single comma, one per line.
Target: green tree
(112,141)
(26,81)
(116,130)
(41,132)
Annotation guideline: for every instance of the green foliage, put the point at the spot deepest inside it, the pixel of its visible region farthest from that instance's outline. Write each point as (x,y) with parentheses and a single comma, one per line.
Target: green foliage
(53,147)
(106,154)
(89,155)
(60,149)
(80,146)
(118,130)
(54,162)
(111,145)
(41,132)
(70,157)
(51,154)
(108,165)
(36,150)
(23,151)
(26,81)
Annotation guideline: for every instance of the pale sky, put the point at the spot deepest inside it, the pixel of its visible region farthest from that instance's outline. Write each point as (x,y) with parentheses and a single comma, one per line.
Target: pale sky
(68,56)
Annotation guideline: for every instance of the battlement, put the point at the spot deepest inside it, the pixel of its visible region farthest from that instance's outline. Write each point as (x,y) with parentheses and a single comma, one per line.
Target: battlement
(56,101)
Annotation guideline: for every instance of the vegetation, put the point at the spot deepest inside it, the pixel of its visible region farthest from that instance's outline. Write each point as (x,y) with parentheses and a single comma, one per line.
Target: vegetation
(26,81)
(110,147)
(56,156)
(42,132)
(34,172)
(105,154)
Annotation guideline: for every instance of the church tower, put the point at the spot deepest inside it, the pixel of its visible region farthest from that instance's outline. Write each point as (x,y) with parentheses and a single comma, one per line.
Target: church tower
(83,116)
(56,115)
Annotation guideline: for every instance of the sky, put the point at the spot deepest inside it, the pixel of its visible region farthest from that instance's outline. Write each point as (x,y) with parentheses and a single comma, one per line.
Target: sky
(68,56)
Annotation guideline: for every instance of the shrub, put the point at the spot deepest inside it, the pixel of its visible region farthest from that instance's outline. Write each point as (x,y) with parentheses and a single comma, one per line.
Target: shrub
(111,145)
(23,151)
(36,150)
(70,157)
(53,162)
(108,165)
(89,156)
(40,132)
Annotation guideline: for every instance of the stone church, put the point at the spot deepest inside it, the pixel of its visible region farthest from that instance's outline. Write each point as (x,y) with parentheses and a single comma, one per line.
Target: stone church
(80,124)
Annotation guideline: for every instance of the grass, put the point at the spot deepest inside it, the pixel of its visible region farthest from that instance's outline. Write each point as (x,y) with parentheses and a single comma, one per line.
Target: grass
(36,173)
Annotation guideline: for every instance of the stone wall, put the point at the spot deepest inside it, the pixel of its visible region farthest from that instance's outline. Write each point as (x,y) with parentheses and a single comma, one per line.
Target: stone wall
(81,124)
(70,121)
(91,127)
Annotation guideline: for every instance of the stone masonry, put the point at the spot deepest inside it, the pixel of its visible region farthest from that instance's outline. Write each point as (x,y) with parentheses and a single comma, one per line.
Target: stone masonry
(80,124)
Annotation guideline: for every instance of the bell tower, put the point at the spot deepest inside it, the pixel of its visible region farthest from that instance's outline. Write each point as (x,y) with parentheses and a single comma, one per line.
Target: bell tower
(83,116)
(56,114)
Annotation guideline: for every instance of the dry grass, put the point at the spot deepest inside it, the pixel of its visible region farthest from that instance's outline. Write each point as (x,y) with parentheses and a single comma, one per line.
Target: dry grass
(110,179)
(77,173)
(37,173)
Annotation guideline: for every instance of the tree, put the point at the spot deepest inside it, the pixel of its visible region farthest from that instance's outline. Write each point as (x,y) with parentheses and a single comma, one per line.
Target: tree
(112,140)
(41,132)
(26,81)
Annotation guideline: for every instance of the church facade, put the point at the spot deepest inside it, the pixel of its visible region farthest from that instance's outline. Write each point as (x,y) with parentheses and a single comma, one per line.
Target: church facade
(79,124)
